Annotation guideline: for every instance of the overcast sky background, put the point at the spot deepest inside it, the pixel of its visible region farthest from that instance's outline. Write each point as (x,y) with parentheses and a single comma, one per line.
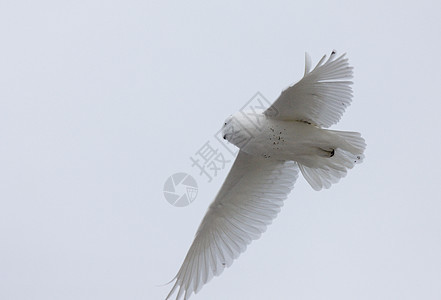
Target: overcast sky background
(101,101)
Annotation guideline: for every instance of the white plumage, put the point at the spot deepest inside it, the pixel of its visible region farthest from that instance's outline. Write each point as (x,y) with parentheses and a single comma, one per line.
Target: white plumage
(289,138)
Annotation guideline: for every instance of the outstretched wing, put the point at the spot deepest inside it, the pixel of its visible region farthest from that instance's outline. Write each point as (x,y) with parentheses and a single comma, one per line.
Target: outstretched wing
(250,198)
(320,97)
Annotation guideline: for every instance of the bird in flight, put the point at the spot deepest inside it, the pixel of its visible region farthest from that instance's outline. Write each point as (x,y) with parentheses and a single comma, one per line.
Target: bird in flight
(288,137)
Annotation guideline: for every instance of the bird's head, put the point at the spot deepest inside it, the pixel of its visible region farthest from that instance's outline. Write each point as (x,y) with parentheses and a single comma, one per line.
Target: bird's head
(228,128)
(234,129)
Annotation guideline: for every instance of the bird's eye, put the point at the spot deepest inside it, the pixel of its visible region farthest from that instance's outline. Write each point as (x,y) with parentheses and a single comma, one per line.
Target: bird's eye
(225,123)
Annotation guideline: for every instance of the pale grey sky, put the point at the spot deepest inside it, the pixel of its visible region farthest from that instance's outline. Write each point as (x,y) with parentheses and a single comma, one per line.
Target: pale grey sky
(101,101)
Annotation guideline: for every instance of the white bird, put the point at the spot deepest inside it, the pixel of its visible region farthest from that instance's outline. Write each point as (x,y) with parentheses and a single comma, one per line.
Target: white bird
(288,137)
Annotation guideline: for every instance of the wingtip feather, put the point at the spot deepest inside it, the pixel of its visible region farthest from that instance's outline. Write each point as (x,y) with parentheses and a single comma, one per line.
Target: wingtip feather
(307,63)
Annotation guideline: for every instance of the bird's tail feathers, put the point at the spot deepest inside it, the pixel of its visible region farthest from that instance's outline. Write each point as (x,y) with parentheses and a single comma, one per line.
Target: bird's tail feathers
(345,156)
